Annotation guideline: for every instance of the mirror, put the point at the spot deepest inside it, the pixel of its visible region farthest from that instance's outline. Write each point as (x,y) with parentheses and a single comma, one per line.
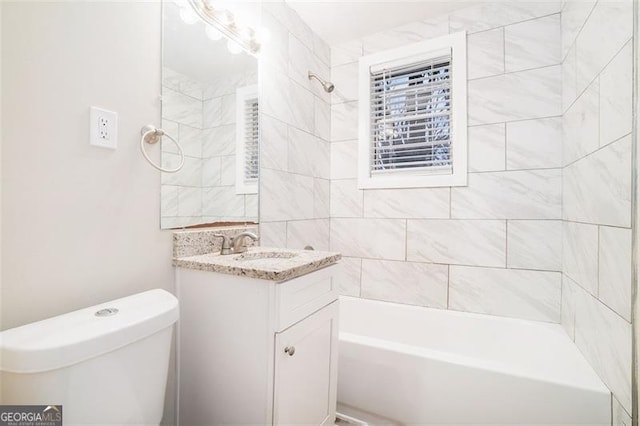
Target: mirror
(210,106)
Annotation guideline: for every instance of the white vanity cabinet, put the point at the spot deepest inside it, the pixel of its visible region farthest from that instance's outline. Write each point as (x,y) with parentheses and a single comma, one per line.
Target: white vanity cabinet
(256,351)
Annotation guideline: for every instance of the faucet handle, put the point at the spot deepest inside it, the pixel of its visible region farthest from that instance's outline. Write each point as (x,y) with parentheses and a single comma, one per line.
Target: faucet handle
(226,243)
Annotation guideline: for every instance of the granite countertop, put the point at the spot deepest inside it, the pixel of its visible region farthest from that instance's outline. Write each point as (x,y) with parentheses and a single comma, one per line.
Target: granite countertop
(281,265)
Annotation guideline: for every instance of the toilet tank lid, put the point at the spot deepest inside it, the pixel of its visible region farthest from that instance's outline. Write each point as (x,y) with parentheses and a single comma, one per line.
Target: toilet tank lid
(80,335)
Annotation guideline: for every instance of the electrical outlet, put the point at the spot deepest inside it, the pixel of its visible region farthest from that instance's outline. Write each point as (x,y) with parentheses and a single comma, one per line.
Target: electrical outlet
(103,127)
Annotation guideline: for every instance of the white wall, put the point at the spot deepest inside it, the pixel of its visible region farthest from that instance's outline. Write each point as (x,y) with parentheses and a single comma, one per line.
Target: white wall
(1,26)
(82,224)
(1,290)
(493,246)
(597,189)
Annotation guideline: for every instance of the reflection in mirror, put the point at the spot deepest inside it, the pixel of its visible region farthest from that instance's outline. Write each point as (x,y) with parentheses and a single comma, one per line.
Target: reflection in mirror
(210,105)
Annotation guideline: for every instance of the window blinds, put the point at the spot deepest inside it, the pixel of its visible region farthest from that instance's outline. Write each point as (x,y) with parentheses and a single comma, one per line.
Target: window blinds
(411,117)
(251,141)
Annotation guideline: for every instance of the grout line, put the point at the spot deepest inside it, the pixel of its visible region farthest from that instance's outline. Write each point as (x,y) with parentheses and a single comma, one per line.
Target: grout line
(406,239)
(515,170)
(506,243)
(420,262)
(504,50)
(444,218)
(517,72)
(600,301)
(575,38)
(604,67)
(597,224)
(597,150)
(505,138)
(448,284)
(598,262)
(546,117)
(511,23)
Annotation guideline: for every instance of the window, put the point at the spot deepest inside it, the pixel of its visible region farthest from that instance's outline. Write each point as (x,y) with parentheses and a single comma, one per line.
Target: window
(247,140)
(413,115)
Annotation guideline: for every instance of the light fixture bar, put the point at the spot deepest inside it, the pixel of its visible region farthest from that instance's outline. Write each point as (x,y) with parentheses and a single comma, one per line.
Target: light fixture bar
(224,22)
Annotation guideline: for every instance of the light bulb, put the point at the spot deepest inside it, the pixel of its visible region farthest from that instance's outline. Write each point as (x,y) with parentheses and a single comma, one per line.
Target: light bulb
(228,18)
(262,35)
(233,47)
(213,33)
(188,15)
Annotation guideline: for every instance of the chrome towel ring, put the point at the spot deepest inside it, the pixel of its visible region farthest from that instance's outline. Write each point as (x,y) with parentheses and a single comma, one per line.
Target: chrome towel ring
(151,134)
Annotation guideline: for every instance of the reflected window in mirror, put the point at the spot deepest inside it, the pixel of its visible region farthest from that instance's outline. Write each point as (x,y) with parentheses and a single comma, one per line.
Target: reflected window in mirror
(247,140)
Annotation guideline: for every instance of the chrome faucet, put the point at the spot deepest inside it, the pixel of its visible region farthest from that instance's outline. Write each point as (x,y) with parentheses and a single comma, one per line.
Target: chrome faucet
(226,244)
(232,245)
(238,241)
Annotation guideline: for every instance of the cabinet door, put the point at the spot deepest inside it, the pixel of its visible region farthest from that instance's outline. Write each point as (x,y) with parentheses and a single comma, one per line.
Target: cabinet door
(306,370)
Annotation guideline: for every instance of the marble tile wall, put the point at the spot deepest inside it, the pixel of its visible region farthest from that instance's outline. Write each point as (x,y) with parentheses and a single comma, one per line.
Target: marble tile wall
(220,202)
(542,231)
(597,173)
(494,246)
(182,116)
(295,157)
(202,117)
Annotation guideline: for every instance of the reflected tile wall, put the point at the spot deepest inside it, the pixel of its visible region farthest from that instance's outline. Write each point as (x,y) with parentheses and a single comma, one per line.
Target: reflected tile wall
(202,118)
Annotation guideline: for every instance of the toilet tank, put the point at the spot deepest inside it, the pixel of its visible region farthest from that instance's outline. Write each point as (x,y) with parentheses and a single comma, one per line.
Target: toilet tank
(106,364)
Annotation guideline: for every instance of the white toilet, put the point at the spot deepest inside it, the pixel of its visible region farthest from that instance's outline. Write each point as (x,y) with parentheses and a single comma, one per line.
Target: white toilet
(106,365)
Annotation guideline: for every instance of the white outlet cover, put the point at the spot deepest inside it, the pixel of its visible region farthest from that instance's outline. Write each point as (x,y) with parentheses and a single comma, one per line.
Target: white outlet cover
(103,128)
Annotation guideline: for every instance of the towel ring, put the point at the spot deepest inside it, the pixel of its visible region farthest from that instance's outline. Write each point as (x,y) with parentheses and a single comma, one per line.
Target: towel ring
(151,134)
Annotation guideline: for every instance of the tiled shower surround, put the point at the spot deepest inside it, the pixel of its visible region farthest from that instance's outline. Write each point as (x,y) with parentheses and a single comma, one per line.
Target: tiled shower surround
(295,132)
(541,232)
(597,120)
(493,246)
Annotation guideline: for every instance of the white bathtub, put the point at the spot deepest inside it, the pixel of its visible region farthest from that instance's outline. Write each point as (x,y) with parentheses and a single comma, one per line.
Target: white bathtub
(414,365)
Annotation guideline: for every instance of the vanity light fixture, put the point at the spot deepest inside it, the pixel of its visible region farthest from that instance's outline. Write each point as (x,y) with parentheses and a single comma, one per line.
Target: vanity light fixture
(188,15)
(224,21)
(213,33)
(233,47)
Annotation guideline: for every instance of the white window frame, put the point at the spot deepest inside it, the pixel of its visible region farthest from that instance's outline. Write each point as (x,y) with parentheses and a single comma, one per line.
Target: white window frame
(243,94)
(408,54)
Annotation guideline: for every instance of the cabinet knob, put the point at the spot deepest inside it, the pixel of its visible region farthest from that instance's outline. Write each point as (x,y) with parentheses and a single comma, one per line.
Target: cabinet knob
(290,350)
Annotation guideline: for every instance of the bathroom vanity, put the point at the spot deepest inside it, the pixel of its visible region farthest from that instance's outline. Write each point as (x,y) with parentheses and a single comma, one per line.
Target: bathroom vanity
(258,337)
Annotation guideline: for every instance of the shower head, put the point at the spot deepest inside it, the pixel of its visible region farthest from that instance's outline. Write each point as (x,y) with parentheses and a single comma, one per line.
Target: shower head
(326,85)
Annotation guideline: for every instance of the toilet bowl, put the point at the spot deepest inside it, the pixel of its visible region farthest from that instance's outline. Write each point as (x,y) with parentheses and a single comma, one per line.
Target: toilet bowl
(106,365)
